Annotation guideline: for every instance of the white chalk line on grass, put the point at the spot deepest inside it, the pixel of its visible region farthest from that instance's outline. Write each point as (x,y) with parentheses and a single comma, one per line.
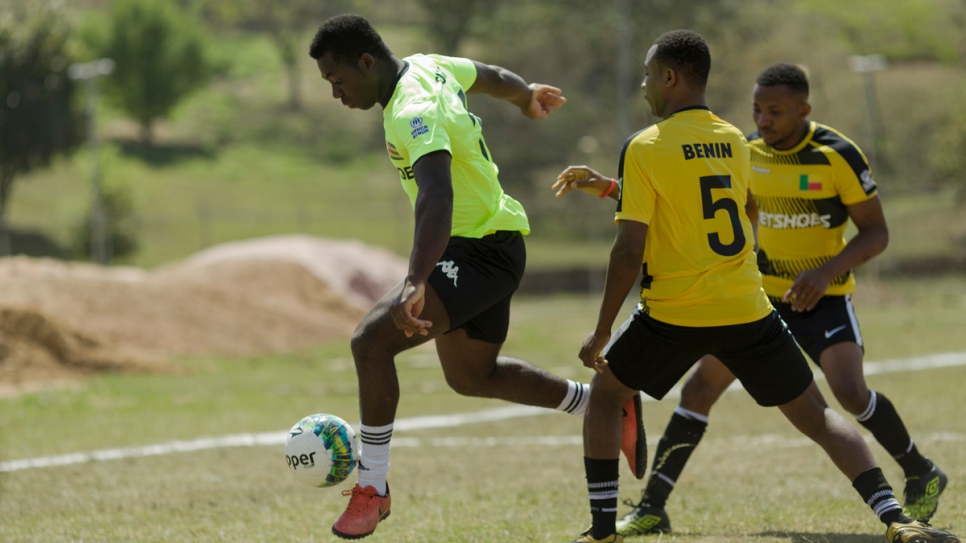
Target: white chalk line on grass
(460,419)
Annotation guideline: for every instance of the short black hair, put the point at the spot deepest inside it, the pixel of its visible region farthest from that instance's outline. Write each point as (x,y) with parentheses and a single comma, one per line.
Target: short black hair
(347,37)
(686,52)
(782,73)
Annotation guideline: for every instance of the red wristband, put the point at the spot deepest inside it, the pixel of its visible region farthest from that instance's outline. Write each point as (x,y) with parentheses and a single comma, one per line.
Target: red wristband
(610,189)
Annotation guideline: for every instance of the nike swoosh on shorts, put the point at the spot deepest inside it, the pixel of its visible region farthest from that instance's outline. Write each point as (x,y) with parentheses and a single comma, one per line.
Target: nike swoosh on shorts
(833,331)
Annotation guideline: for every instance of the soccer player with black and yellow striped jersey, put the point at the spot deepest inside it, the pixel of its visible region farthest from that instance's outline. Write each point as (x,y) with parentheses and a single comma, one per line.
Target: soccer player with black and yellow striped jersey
(468,252)
(684,187)
(808,181)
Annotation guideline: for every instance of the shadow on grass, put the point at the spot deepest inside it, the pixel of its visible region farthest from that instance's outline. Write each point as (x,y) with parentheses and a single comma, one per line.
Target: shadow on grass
(162,155)
(807,537)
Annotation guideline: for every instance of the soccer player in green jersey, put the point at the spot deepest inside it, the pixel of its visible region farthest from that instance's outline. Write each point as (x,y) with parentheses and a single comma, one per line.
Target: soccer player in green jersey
(808,180)
(468,252)
(682,212)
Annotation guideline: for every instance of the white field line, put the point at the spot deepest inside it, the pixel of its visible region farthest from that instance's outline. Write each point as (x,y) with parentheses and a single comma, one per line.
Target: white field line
(460,419)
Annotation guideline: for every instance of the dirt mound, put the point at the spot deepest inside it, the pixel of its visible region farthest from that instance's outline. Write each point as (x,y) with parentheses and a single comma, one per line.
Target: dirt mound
(270,295)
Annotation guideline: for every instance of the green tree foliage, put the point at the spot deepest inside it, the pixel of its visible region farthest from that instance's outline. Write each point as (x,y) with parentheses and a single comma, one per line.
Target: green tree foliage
(37,120)
(899,29)
(947,154)
(160,58)
(121,225)
(448,23)
(285,23)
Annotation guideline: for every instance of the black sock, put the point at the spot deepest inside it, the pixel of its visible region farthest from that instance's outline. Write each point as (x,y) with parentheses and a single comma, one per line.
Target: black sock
(680,438)
(877,493)
(602,482)
(883,421)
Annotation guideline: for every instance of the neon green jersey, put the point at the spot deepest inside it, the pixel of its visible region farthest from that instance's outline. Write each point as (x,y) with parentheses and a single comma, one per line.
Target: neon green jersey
(427,113)
(802,195)
(686,177)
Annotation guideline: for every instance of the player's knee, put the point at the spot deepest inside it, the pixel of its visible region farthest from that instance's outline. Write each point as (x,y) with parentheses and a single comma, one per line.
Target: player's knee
(699,394)
(466,386)
(854,399)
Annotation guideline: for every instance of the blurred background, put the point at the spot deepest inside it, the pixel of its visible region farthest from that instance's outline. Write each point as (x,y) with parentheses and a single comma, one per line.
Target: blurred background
(138,132)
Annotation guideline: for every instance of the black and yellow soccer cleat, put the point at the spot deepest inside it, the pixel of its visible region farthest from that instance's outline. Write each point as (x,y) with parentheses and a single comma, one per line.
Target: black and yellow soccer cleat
(644,519)
(918,532)
(921,495)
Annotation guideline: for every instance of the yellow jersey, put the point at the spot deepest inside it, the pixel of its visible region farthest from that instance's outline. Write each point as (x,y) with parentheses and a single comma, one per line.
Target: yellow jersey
(802,194)
(686,177)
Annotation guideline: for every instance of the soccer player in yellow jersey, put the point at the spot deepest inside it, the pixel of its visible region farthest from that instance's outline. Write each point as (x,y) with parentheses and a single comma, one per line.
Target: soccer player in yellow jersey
(807,180)
(468,252)
(684,187)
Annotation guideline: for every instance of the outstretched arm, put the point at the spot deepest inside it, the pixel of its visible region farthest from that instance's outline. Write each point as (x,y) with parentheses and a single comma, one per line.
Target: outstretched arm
(535,100)
(586,179)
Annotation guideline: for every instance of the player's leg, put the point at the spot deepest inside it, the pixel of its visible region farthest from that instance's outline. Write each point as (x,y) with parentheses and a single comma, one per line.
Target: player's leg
(478,300)
(602,444)
(844,445)
(473,367)
(831,335)
(772,371)
(375,344)
(645,355)
(684,431)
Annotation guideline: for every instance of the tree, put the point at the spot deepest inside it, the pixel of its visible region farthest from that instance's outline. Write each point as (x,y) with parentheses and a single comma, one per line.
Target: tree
(37,120)
(449,22)
(160,58)
(285,23)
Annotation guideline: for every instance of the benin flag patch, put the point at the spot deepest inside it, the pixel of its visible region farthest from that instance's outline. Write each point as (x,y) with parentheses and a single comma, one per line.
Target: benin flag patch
(803,184)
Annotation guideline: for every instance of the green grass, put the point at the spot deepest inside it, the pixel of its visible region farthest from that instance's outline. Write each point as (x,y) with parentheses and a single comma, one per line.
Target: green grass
(753,479)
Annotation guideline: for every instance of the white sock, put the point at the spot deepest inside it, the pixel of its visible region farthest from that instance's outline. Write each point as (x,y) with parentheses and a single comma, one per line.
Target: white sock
(374,462)
(575,401)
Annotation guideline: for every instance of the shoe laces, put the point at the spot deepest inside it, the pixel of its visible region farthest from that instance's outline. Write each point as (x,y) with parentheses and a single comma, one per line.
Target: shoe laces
(639,505)
(360,499)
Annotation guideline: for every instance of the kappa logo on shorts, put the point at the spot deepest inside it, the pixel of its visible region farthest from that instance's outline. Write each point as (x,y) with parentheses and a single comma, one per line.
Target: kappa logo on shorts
(450,269)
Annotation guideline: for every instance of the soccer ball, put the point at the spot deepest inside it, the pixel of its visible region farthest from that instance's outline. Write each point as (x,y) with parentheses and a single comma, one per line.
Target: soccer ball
(321,450)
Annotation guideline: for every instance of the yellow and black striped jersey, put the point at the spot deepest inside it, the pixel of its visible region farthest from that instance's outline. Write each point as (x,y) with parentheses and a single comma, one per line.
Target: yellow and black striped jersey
(802,194)
(686,177)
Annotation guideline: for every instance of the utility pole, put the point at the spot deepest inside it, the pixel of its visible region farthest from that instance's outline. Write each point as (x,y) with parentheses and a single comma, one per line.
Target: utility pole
(867,66)
(88,73)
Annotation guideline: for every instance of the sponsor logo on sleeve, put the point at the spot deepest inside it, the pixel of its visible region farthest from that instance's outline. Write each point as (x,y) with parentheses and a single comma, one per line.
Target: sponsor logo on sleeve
(419,127)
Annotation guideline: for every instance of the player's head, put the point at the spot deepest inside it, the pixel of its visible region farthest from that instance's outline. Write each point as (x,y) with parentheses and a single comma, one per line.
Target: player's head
(349,52)
(678,62)
(780,105)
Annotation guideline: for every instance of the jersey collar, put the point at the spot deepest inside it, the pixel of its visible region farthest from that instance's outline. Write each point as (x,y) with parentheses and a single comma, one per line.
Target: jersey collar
(395,84)
(800,145)
(689,108)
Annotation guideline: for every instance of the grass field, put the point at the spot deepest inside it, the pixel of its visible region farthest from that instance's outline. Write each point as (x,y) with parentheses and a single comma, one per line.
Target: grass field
(753,479)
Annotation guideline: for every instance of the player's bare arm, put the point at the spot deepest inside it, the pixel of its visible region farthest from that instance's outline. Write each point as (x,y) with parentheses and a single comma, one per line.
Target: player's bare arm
(871,239)
(586,179)
(535,100)
(626,257)
(434,216)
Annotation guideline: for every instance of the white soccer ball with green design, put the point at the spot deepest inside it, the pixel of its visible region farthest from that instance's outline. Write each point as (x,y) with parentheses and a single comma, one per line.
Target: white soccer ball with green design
(322,450)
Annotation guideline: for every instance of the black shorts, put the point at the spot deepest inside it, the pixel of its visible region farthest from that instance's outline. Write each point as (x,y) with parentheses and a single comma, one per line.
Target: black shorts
(831,321)
(652,356)
(475,278)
